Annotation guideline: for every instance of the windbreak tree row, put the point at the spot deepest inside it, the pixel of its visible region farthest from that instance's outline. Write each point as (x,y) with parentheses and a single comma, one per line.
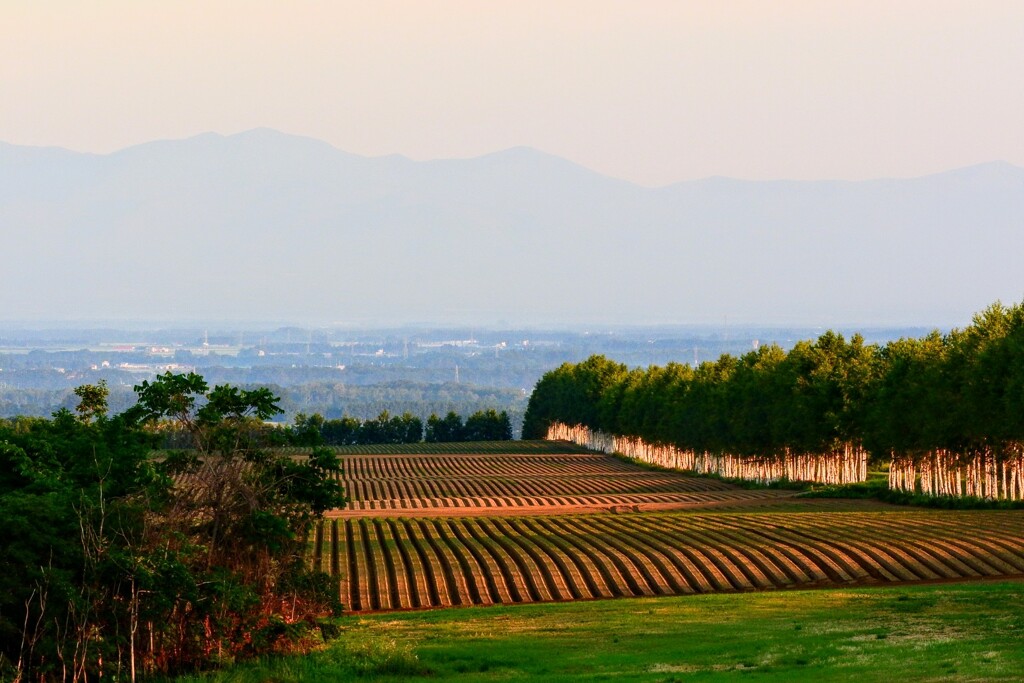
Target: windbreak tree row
(945,411)
(314,430)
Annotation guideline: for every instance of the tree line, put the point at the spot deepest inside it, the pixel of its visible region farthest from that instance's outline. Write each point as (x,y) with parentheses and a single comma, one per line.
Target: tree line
(332,400)
(315,430)
(945,411)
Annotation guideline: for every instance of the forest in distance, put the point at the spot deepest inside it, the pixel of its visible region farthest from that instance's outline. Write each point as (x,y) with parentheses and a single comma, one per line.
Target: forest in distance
(346,373)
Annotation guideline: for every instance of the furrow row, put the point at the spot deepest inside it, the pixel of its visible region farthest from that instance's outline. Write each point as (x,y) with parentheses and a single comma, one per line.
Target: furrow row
(495,499)
(400,563)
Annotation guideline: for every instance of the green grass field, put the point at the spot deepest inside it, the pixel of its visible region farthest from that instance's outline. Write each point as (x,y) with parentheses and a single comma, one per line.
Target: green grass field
(936,632)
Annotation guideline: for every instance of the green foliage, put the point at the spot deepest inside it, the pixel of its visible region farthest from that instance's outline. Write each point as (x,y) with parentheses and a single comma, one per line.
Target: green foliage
(444,430)
(961,392)
(488,425)
(92,402)
(314,430)
(308,430)
(386,428)
(573,394)
(343,432)
(116,562)
(483,425)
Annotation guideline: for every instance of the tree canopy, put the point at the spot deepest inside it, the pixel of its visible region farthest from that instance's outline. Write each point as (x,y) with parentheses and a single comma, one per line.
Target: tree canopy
(961,392)
(120,563)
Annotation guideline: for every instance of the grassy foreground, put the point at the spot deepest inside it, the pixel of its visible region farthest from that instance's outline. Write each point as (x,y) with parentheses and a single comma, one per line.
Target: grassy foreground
(947,632)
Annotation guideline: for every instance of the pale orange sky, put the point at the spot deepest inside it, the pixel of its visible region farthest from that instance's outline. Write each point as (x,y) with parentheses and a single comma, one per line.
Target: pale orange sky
(653,92)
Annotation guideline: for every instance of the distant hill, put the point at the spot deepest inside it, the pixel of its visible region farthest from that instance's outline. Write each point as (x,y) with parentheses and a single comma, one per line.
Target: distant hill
(264,226)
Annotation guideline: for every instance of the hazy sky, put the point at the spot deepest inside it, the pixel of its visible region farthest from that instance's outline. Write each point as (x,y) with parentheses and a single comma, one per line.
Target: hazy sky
(654,92)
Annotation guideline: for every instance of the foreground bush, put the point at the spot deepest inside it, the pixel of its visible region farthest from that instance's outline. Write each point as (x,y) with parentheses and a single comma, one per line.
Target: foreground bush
(110,569)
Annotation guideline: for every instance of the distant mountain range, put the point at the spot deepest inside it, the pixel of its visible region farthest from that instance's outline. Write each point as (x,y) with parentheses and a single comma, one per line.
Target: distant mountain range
(263,226)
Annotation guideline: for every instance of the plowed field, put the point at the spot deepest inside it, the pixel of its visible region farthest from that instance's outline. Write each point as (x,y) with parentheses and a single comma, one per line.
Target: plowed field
(441,529)
(389,563)
(525,483)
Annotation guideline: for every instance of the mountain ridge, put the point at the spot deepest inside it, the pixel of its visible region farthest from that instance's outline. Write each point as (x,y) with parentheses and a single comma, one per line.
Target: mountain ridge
(267,224)
(262,133)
